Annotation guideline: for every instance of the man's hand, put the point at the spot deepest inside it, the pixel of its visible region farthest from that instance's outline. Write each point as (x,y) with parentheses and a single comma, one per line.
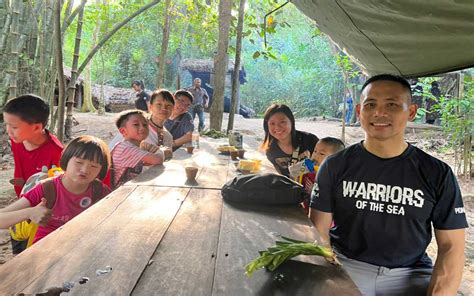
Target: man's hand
(447,272)
(40,214)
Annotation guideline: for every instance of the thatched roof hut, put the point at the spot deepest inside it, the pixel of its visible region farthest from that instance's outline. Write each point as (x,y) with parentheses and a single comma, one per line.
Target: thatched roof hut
(116,98)
(200,67)
(203,69)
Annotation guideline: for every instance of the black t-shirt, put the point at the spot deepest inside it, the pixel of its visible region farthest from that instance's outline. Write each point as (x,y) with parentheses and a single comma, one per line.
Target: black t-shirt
(383,209)
(141,101)
(281,160)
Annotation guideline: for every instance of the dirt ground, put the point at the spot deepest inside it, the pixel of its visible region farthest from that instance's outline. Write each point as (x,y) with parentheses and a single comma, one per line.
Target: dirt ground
(427,139)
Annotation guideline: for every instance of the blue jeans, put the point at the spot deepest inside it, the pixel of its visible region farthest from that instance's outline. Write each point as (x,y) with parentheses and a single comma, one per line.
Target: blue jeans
(199,110)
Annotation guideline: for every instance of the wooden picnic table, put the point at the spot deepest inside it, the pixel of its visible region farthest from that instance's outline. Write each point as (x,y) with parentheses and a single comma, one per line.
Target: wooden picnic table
(162,235)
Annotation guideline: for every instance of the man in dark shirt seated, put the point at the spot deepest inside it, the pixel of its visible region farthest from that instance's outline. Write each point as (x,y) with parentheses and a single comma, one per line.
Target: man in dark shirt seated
(384,196)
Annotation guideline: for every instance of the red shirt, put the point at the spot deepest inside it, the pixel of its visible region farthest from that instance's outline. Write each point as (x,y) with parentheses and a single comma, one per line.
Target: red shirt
(28,163)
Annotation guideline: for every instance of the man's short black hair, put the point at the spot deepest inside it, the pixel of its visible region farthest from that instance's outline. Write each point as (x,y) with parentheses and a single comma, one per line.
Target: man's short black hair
(184,93)
(30,108)
(336,144)
(123,116)
(389,77)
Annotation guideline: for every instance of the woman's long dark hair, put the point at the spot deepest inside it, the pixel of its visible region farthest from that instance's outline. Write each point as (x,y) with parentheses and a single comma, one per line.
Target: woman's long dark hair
(273,109)
(139,83)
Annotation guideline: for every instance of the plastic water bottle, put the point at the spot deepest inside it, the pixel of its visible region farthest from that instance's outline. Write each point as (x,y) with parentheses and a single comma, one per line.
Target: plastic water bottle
(195,139)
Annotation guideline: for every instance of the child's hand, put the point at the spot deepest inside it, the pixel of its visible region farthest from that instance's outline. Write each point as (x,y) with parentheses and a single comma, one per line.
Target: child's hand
(40,214)
(149,147)
(168,152)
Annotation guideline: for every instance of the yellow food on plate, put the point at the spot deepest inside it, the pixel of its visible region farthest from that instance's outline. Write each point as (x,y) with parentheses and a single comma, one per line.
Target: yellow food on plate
(226,148)
(250,165)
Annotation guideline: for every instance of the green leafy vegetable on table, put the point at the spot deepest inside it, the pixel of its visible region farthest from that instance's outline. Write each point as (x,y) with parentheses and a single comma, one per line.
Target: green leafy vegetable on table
(284,250)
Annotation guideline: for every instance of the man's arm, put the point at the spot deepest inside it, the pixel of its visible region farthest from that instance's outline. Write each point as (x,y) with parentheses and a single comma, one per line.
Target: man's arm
(322,221)
(205,98)
(183,140)
(447,272)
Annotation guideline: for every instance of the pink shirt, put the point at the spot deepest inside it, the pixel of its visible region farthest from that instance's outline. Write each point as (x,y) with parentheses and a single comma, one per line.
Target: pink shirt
(28,163)
(67,206)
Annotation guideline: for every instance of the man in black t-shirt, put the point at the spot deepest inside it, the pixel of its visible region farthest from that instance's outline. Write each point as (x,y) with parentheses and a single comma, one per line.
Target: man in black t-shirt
(385,196)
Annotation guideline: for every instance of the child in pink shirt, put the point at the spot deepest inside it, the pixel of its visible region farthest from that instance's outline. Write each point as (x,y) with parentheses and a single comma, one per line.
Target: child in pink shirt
(85,159)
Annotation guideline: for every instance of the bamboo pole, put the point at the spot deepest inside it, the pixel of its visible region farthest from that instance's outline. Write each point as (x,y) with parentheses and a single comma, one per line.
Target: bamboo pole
(60,70)
(72,83)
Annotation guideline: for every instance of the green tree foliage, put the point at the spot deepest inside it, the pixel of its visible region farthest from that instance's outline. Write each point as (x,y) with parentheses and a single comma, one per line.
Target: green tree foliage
(133,54)
(299,69)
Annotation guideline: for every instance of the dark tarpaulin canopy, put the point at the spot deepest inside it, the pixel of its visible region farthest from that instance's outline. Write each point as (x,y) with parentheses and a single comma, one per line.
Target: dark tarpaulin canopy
(406,37)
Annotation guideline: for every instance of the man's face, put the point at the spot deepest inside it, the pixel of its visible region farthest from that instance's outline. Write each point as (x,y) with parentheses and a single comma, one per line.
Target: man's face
(321,151)
(197,83)
(19,130)
(384,110)
(181,105)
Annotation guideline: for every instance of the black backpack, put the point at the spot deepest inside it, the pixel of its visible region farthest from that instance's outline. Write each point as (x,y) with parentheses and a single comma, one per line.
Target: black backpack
(270,189)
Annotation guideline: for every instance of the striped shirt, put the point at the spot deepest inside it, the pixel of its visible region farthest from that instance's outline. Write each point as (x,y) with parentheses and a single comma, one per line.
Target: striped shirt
(126,162)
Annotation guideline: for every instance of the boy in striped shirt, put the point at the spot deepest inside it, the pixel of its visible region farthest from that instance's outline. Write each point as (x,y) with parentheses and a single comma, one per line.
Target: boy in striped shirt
(128,158)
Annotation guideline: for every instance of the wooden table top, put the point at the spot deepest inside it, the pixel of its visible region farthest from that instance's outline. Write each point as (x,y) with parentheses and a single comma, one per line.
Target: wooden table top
(158,234)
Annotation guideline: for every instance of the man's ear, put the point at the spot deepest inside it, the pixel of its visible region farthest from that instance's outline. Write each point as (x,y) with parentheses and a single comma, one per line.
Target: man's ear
(412,112)
(358,110)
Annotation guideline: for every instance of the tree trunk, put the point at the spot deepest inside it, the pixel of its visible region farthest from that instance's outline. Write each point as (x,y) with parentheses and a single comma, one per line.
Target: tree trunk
(102,82)
(164,46)
(220,64)
(5,30)
(26,73)
(3,55)
(112,32)
(35,32)
(67,14)
(14,54)
(60,69)
(88,105)
(234,100)
(69,17)
(72,83)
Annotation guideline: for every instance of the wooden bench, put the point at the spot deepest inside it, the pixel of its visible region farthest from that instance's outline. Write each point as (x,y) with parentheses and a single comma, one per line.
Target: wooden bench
(158,234)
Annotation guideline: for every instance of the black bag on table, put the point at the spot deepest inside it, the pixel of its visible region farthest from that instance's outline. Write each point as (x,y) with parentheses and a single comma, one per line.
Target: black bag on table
(270,189)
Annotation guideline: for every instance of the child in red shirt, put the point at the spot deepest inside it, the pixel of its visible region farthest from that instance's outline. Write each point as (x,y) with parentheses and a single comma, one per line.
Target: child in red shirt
(32,145)
(85,159)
